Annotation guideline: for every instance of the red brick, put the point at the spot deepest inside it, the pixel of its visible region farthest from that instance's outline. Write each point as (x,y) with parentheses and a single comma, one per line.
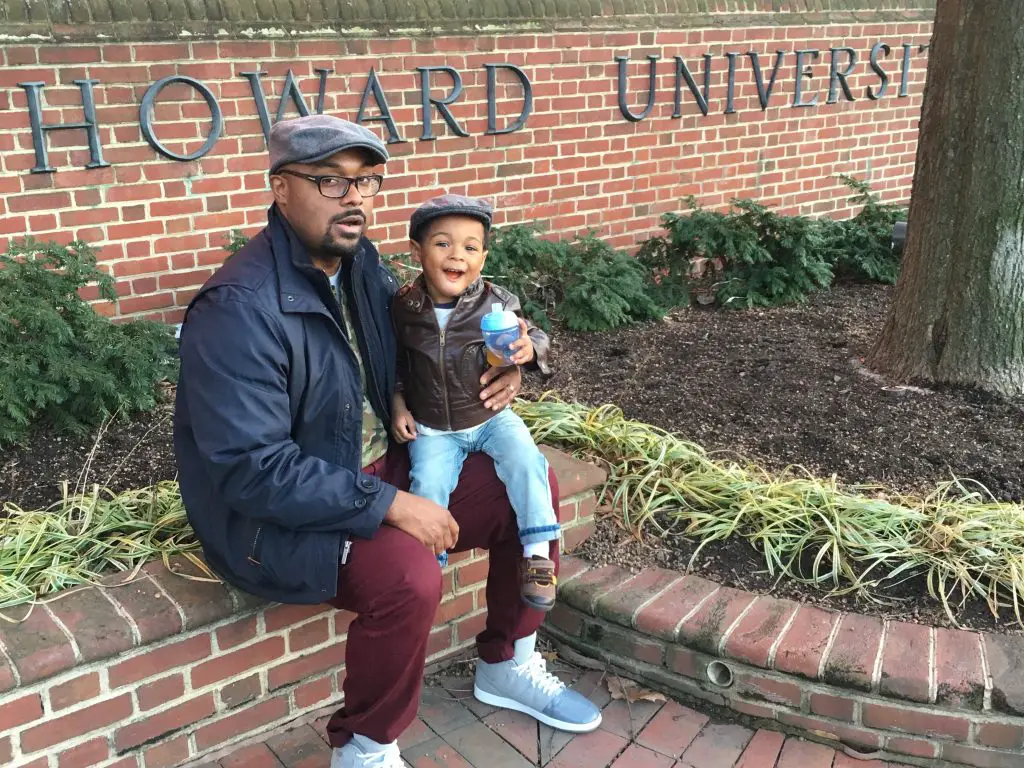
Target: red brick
(241,691)
(662,616)
(160,692)
(74,691)
(718,744)
(982,758)
(851,662)
(763,750)
(622,602)
(1005,655)
(797,753)
(599,748)
(150,610)
(920,722)
(22,710)
(169,753)
(754,636)
(314,633)
(625,643)
(305,666)
(834,707)
(313,692)
(159,724)
(6,750)
(203,602)
(236,662)
(37,646)
(282,616)
(574,476)
(705,629)
(155,662)
(959,675)
(576,534)
(99,630)
(583,591)
(91,752)
(236,633)
(468,628)
(472,573)
(43,202)
(905,745)
(856,737)
(92,718)
(672,729)
(802,647)
(755,686)
(248,720)
(906,662)
(1000,735)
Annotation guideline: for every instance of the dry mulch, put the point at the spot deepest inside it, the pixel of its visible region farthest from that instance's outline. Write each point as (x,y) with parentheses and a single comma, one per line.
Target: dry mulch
(778,386)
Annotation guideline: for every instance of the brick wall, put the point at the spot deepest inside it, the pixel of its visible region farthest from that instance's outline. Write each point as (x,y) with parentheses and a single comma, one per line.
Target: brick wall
(918,694)
(578,163)
(165,669)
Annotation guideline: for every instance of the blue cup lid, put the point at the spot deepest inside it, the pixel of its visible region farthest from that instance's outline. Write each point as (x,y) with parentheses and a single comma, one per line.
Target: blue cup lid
(498,319)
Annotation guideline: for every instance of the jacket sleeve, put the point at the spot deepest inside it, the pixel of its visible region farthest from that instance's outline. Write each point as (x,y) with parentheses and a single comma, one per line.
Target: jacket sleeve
(235,367)
(541,342)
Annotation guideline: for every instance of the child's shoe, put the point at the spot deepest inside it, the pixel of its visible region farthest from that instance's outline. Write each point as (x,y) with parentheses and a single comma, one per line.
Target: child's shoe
(538,582)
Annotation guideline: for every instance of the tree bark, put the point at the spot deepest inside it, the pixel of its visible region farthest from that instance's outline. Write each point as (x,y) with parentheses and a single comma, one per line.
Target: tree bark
(958,313)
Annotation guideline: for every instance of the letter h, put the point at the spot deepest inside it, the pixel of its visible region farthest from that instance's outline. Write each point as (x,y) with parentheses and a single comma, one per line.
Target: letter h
(89,124)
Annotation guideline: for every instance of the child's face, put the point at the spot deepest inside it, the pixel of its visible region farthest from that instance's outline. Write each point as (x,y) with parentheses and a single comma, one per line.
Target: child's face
(452,253)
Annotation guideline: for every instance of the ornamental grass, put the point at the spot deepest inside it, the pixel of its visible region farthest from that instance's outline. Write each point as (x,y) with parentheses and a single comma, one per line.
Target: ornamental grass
(853,539)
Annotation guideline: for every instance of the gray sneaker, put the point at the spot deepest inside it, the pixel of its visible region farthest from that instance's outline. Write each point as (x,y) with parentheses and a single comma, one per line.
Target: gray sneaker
(352,756)
(531,689)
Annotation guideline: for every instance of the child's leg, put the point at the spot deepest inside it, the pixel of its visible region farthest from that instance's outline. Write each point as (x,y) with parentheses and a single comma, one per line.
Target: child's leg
(436,461)
(524,471)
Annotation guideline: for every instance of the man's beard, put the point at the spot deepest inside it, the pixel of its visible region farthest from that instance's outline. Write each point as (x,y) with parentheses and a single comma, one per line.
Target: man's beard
(343,247)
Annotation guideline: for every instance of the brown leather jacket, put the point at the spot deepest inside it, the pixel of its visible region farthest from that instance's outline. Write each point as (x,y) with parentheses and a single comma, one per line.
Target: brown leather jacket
(439,371)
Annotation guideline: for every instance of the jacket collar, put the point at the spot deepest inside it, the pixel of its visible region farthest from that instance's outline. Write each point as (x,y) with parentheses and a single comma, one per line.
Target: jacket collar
(301,283)
(417,297)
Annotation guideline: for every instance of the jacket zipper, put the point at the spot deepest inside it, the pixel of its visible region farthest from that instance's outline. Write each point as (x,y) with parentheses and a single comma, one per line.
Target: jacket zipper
(440,358)
(252,550)
(345,550)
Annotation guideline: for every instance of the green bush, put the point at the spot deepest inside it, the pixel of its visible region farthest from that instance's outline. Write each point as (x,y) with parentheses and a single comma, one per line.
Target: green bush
(586,283)
(60,361)
(861,248)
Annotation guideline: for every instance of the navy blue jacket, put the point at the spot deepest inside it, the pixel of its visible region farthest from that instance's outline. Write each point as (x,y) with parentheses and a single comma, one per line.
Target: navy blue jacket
(267,424)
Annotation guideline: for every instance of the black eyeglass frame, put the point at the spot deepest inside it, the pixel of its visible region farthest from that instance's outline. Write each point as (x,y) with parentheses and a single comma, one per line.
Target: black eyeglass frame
(349,181)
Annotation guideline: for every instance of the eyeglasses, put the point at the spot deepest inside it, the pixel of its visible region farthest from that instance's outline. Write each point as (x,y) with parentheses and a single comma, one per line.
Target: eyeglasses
(338,186)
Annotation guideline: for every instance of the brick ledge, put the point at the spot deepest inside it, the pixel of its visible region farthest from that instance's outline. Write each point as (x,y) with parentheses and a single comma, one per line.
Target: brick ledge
(916,692)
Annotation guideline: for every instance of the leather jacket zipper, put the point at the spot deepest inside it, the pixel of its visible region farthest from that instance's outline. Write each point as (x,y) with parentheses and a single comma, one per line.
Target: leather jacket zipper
(444,379)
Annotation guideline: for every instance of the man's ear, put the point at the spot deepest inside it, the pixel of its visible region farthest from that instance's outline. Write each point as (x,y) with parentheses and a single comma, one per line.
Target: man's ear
(414,249)
(279,188)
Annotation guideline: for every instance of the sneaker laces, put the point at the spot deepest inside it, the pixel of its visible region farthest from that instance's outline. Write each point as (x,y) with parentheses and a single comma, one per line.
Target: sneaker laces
(387,758)
(535,669)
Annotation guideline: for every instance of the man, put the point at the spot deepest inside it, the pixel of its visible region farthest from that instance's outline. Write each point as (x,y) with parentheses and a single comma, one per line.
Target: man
(280,432)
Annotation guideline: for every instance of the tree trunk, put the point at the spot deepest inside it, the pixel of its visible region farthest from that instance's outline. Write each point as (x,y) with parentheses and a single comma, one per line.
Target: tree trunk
(958,313)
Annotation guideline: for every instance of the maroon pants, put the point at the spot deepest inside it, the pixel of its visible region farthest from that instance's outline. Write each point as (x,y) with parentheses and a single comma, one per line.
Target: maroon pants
(393,583)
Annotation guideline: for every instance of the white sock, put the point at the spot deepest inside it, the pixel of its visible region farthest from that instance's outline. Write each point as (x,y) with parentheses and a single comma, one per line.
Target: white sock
(368,745)
(540,549)
(524,648)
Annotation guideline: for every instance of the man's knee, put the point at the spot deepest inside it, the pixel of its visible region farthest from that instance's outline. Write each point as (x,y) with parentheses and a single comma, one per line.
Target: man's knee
(419,584)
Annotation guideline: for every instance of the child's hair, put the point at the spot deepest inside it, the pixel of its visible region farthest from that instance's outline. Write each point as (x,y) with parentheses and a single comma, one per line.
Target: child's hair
(449,205)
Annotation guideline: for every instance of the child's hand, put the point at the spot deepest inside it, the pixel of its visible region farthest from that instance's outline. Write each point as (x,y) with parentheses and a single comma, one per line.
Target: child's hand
(403,426)
(522,347)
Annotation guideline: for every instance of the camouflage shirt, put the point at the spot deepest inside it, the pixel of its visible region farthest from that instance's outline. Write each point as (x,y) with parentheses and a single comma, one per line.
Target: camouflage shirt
(375,435)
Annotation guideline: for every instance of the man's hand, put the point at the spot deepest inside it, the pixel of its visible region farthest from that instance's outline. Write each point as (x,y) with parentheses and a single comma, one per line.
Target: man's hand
(403,426)
(500,386)
(522,348)
(430,524)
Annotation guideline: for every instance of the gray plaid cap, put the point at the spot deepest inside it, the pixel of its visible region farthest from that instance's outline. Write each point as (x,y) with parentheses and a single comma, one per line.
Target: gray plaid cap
(314,137)
(449,205)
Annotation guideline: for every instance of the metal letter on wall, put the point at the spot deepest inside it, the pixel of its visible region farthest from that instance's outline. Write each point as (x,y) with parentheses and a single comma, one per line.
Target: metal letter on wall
(877,68)
(146,117)
(289,91)
(837,77)
(730,92)
(803,71)
(441,104)
(492,109)
(88,124)
(765,94)
(683,73)
(373,89)
(624,82)
(905,74)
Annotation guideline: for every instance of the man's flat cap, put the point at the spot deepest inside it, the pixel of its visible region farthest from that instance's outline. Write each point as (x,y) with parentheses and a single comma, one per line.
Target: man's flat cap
(312,138)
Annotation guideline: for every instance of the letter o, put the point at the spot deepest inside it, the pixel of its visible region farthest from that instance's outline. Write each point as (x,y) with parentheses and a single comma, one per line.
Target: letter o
(146,117)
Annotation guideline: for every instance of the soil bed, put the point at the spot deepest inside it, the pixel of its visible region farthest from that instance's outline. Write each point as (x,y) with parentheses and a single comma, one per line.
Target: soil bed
(777,386)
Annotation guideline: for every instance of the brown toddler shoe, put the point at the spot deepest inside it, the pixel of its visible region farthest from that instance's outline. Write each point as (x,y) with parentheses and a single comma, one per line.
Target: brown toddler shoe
(538,582)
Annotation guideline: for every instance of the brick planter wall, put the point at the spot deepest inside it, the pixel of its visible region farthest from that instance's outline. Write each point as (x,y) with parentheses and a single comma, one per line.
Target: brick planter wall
(165,669)
(578,164)
(918,694)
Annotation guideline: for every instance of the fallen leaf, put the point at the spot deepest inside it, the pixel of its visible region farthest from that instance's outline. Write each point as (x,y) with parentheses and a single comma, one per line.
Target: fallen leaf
(550,655)
(631,691)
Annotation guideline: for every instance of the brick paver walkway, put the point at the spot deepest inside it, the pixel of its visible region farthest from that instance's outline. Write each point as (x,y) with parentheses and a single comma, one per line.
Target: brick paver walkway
(453,730)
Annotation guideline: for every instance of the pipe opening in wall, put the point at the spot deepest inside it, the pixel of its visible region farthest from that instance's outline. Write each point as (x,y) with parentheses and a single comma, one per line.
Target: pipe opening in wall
(719,674)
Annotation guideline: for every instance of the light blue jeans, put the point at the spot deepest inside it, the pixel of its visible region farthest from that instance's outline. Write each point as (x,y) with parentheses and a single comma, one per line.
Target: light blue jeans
(437,459)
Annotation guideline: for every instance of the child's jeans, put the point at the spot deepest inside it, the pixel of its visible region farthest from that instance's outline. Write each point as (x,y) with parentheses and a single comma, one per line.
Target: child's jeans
(437,458)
